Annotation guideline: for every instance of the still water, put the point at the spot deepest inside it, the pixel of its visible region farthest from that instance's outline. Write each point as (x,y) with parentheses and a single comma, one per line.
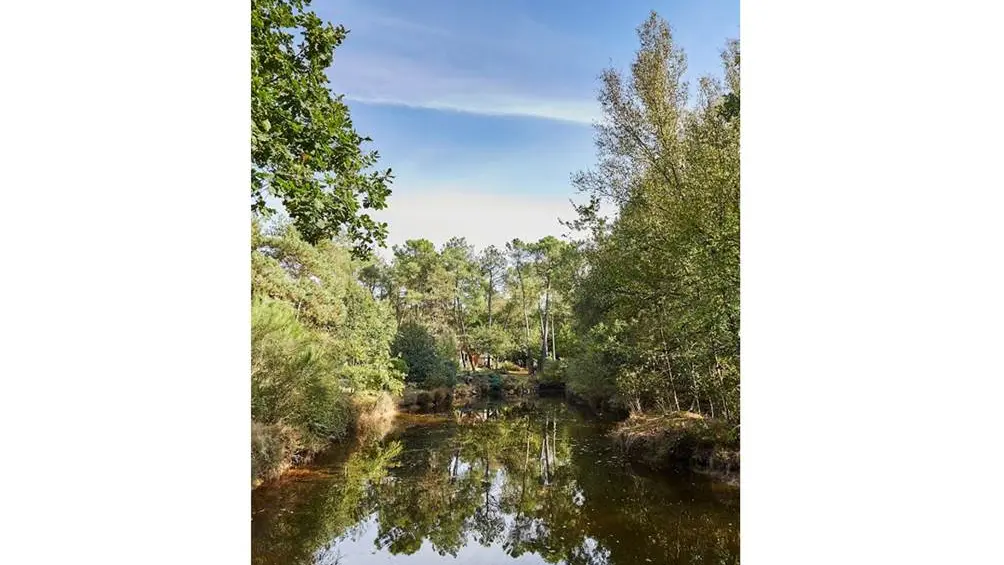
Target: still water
(532,482)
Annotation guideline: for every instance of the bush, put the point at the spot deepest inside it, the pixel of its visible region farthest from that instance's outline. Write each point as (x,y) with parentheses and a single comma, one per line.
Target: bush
(424,400)
(464,391)
(553,372)
(587,377)
(516,385)
(272,450)
(399,365)
(424,359)
(446,377)
(292,378)
(442,397)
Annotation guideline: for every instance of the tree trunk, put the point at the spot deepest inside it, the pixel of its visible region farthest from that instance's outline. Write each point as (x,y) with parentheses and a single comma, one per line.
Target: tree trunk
(526,321)
(491,278)
(543,318)
(554,348)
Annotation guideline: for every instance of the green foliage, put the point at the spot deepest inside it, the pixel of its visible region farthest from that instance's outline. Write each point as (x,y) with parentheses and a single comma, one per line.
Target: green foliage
(304,149)
(318,283)
(554,371)
(426,363)
(318,339)
(494,341)
(663,277)
(291,376)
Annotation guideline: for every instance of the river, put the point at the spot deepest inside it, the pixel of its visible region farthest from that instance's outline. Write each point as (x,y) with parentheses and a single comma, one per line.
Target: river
(529,482)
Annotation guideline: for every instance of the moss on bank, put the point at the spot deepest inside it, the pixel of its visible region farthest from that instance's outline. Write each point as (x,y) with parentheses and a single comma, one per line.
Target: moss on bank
(681,440)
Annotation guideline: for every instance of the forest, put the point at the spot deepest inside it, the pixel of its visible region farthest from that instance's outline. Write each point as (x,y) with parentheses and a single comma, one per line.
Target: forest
(635,308)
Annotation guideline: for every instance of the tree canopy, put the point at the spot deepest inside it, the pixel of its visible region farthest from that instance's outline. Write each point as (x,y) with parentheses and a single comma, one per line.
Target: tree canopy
(305,151)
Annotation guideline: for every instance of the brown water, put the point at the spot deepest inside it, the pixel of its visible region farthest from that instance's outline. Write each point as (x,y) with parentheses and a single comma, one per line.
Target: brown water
(534,482)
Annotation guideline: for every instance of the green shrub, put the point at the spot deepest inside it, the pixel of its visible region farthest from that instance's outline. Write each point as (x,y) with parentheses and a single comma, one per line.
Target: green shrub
(424,399)
(587,377)
(399,365)
(442,397)
(553,372)
(292,380)
(464,391)
(426,362)
(516,385)
(495,384)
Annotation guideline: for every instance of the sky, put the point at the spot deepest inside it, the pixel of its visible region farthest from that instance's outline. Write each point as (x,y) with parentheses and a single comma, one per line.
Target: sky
(483,108)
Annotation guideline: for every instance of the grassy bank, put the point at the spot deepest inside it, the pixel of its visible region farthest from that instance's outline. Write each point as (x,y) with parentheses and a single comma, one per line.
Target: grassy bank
(681,440)
(276,448)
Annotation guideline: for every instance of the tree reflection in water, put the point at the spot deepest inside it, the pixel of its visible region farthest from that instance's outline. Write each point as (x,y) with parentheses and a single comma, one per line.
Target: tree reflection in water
(501,482)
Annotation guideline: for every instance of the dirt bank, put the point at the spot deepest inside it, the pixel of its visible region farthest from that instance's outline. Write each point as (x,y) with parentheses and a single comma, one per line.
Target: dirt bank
(681,440)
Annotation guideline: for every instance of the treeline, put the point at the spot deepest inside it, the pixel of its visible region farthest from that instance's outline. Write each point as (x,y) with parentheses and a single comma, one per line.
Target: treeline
(462,308)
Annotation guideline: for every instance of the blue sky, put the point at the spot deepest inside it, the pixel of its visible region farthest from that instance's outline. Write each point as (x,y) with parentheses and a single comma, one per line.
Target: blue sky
(483,107)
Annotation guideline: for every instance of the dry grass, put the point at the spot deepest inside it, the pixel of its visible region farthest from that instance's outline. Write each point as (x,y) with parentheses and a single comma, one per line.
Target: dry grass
(374,415)
(273,448)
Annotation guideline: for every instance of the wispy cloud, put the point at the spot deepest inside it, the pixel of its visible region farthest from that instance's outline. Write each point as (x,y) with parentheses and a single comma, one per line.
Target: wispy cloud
(573,111)
(468,62)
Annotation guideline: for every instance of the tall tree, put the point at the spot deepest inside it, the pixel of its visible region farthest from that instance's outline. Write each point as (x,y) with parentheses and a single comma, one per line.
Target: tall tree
(457,257)
(519,256)
(663,277)
(550,255)
(493,264)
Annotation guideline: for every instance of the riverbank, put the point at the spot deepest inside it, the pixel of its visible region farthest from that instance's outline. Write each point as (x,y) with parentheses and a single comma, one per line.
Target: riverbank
(681,440)
(482,385)
(278,448)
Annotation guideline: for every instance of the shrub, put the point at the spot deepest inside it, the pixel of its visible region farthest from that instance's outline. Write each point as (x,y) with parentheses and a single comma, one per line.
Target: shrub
(463,391)
(272,449)
(423,357)
(516,385)
(588,377)
(292,379)
(399,365)
(553,371)
(495,384)
(424,400)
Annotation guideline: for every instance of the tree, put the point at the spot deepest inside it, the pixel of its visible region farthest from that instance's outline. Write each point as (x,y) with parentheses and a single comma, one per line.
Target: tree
(550,256)
(663,277)
(305,151)
(519,256)
(419,349)
(458,259)
(492,263)
(494,342)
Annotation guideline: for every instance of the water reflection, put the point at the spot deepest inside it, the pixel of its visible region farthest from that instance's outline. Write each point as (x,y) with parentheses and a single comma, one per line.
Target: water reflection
(532,482)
